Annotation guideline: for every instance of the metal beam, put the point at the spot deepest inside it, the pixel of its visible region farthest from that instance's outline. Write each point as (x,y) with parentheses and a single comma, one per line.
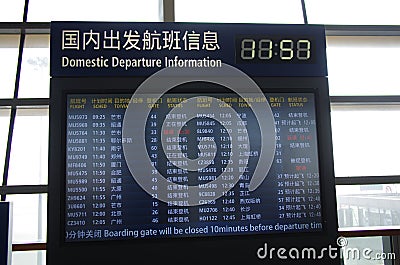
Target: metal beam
(168,7)
(365,100)
(29,27)
(362,30)
(23,189)
(24,102)
(367,180)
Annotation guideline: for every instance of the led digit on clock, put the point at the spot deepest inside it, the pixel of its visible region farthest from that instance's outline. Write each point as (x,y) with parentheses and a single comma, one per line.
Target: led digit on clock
(265,49)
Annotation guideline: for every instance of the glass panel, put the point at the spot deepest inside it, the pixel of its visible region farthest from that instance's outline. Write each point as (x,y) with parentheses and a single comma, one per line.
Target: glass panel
(4,124)
(356,12)
(8,64)
(250,11)
(368,206)
(366,251)
(29,257)
(93,10)
(11,10)
(35,71)
(363,65)
(29,149)
(29,223)
(365,140)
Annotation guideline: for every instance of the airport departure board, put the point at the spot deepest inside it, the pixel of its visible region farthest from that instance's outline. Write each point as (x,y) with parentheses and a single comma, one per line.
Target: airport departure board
(189,141)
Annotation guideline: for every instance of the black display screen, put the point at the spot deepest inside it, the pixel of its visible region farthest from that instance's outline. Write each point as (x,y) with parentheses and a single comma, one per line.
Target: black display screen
(104,201)
(188,142)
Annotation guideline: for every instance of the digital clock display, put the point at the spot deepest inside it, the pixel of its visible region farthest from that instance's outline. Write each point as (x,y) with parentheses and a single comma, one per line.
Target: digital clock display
(267,49)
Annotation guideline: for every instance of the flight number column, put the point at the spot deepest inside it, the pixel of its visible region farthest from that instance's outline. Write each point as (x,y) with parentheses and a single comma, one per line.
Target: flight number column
(77,212)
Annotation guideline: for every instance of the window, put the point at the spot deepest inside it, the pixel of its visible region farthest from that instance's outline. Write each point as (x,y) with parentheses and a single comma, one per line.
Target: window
(363,65)
(365,140)
(367,251)
(29,257)
(251,11)
(353,12)
(32,207)
(35,71)
(93,10)
(8,64)
(29,148)
(11,10)
(368,206)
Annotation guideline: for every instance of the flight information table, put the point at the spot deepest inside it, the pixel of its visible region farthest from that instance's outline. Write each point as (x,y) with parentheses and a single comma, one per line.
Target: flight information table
(103,200)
